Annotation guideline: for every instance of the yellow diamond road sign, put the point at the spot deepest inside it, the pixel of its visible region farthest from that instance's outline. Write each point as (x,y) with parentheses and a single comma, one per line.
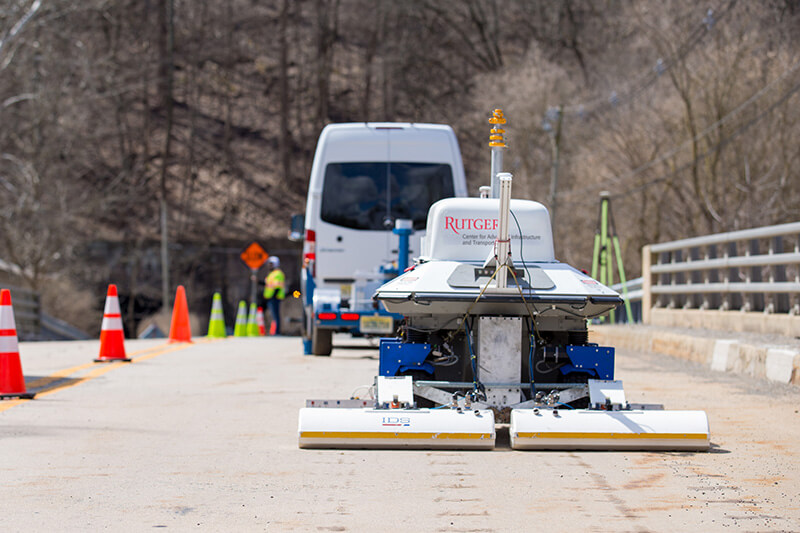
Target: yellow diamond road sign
(254,256)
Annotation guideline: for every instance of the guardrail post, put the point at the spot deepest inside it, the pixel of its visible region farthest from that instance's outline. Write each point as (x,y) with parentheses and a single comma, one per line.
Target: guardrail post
(795,300)
(706,280)
(747,304)
(691,255)
(673,278)
(647,284)
(726,279)
(769,299)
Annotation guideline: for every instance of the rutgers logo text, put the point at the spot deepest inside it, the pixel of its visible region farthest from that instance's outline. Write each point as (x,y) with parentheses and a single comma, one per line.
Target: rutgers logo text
(458,225)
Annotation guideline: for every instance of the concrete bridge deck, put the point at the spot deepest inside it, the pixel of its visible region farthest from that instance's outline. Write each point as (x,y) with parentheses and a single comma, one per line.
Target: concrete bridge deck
(203,437)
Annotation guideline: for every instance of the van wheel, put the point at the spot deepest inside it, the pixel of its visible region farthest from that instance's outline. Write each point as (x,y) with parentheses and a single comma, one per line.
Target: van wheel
(321,341)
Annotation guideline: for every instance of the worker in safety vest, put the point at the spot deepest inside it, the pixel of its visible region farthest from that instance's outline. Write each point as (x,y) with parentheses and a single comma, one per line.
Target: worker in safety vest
(275,292)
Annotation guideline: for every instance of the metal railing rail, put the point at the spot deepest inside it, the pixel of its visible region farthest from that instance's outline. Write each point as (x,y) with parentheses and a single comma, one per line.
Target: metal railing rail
(753,269)
(56,329)
(27,312)
(634,298)
(634,287)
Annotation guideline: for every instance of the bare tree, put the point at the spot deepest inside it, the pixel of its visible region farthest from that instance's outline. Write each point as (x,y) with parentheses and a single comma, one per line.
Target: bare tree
(20,13)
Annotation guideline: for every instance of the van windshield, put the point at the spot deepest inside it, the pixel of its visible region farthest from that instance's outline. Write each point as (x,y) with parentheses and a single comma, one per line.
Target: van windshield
(372,196)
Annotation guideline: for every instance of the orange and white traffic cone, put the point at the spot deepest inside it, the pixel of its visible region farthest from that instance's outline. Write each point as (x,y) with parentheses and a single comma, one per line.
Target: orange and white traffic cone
(180,330)
(112,338)
(12,382)
(262,330)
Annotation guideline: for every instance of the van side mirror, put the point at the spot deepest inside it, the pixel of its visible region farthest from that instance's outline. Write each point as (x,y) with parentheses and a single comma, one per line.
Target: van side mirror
(297,229)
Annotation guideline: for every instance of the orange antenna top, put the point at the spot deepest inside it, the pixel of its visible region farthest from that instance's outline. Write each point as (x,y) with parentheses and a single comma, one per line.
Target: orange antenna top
(496,139)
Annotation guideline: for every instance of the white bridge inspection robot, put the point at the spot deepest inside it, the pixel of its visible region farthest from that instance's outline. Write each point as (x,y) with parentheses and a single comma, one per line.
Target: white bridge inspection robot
(495,331)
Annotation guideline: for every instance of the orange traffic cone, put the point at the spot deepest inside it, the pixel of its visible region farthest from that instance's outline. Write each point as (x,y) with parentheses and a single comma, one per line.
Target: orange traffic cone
(112,338)
(12,382)
(262,330)
(180,330)
(273,328)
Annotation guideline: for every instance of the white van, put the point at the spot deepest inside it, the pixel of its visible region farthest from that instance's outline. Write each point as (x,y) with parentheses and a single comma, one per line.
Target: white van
(364,178)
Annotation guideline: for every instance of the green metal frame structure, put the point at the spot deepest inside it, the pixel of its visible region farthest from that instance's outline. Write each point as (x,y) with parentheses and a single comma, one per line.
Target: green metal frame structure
(606,238)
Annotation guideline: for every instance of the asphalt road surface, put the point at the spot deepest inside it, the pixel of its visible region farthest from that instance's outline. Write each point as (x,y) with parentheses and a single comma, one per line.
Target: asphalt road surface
(204,437)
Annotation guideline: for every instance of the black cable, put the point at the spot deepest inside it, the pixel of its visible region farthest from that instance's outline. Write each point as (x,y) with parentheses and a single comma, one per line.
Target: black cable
(531,354)
(478,390)
(521,258)
(472,358)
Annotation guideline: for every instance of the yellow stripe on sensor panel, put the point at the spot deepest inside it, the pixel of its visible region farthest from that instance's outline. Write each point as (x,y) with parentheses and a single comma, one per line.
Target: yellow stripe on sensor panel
(387,435)
(561,435)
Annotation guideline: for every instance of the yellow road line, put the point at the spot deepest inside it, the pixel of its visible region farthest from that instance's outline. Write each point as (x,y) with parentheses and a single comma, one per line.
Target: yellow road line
(102,368)
(99,371)
(564,435)
(150,349)
(168,348)
(43,382)
(8,404)
(145,350)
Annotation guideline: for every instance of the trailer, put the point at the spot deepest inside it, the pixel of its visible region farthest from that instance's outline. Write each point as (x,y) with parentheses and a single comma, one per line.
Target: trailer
(495,331)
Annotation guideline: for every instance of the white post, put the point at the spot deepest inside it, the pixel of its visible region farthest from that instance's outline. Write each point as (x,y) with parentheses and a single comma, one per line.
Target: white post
(647,284)
(497,168)
(503,244)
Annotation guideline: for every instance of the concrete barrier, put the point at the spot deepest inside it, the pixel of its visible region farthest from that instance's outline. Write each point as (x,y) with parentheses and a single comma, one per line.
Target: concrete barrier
(724,355)
(783,366)
(734,321)
(779,364)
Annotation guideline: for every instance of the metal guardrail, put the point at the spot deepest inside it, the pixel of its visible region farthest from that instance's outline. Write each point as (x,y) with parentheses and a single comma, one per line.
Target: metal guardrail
(56,329)
(27,312)
(634,298)
(750,270)
(634,289)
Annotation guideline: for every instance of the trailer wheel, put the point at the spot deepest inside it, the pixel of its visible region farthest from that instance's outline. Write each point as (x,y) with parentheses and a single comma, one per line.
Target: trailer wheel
(321,340)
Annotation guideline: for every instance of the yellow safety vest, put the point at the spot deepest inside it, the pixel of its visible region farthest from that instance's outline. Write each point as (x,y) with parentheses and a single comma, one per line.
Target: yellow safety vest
(276,285)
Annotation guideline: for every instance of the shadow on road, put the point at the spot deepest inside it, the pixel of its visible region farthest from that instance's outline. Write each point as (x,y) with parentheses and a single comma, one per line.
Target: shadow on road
(41,384)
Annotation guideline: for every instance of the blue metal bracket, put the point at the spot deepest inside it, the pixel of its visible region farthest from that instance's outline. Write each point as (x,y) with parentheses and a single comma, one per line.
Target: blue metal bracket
(309,288)
(402,248)
(593,360)
(397,356)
